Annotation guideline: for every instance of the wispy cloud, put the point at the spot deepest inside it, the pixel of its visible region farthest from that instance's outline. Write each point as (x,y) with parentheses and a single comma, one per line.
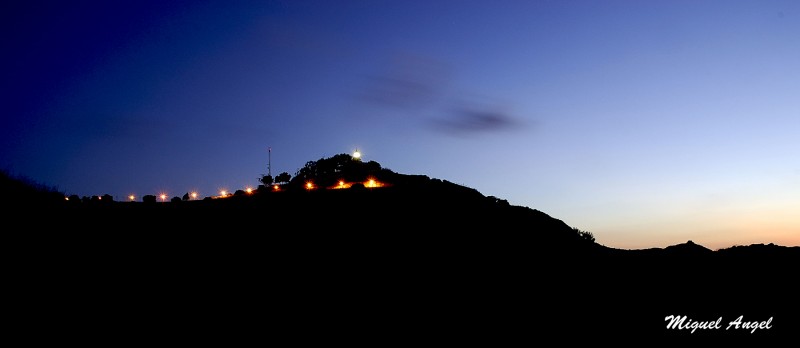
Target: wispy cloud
(464,121)
(409,83)
(420,87)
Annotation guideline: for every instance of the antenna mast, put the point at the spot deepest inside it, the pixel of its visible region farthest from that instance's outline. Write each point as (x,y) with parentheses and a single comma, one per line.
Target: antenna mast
(269,161)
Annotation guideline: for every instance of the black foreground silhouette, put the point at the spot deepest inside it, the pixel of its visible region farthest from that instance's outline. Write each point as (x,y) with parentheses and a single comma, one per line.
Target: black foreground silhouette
(413,260)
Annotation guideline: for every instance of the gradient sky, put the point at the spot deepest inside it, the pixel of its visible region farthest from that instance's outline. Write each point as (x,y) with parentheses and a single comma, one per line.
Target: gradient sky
(648,123)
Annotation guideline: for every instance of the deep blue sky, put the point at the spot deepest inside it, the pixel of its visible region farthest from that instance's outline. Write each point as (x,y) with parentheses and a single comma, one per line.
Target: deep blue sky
(648,123)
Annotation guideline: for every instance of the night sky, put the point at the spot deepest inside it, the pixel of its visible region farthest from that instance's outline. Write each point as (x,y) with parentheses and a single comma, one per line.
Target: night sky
(648,123)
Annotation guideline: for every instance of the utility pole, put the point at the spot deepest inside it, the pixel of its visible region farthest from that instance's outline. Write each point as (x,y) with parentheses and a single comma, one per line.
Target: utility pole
(269,161)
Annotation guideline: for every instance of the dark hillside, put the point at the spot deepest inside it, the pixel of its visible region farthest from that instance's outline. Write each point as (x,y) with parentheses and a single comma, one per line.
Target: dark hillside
(418,258)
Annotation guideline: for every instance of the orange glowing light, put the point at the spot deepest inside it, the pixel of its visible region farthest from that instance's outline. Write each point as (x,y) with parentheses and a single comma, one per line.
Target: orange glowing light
(276,187)
(223,193)
(249,190)
(371,182)
(163,197)
(309,185)
(194,195)
(342,185)
(132,197)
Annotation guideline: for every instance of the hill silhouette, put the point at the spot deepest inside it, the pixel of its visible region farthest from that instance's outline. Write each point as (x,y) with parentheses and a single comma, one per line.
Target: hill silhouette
(411,258)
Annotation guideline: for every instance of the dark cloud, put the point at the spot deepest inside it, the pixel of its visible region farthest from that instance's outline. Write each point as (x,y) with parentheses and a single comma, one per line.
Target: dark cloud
(465,121)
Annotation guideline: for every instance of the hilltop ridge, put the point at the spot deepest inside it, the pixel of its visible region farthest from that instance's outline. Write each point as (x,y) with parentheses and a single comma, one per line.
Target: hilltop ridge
(407,256)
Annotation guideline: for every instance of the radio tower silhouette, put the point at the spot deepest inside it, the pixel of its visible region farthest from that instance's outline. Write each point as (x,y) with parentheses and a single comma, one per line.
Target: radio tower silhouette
(269,161)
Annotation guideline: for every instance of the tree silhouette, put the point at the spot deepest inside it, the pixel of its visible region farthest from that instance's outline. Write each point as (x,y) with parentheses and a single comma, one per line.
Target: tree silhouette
(266,180)
(283,178)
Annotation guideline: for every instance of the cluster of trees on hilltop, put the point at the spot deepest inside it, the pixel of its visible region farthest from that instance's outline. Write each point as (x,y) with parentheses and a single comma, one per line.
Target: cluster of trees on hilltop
(328,171)
(268,180)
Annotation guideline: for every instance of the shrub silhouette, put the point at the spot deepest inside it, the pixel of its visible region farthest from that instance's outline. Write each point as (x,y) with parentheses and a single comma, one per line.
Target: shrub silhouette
(585,235)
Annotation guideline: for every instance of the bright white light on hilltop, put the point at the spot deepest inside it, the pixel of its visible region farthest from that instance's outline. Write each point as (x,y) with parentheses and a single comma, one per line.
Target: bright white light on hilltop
(357,154)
